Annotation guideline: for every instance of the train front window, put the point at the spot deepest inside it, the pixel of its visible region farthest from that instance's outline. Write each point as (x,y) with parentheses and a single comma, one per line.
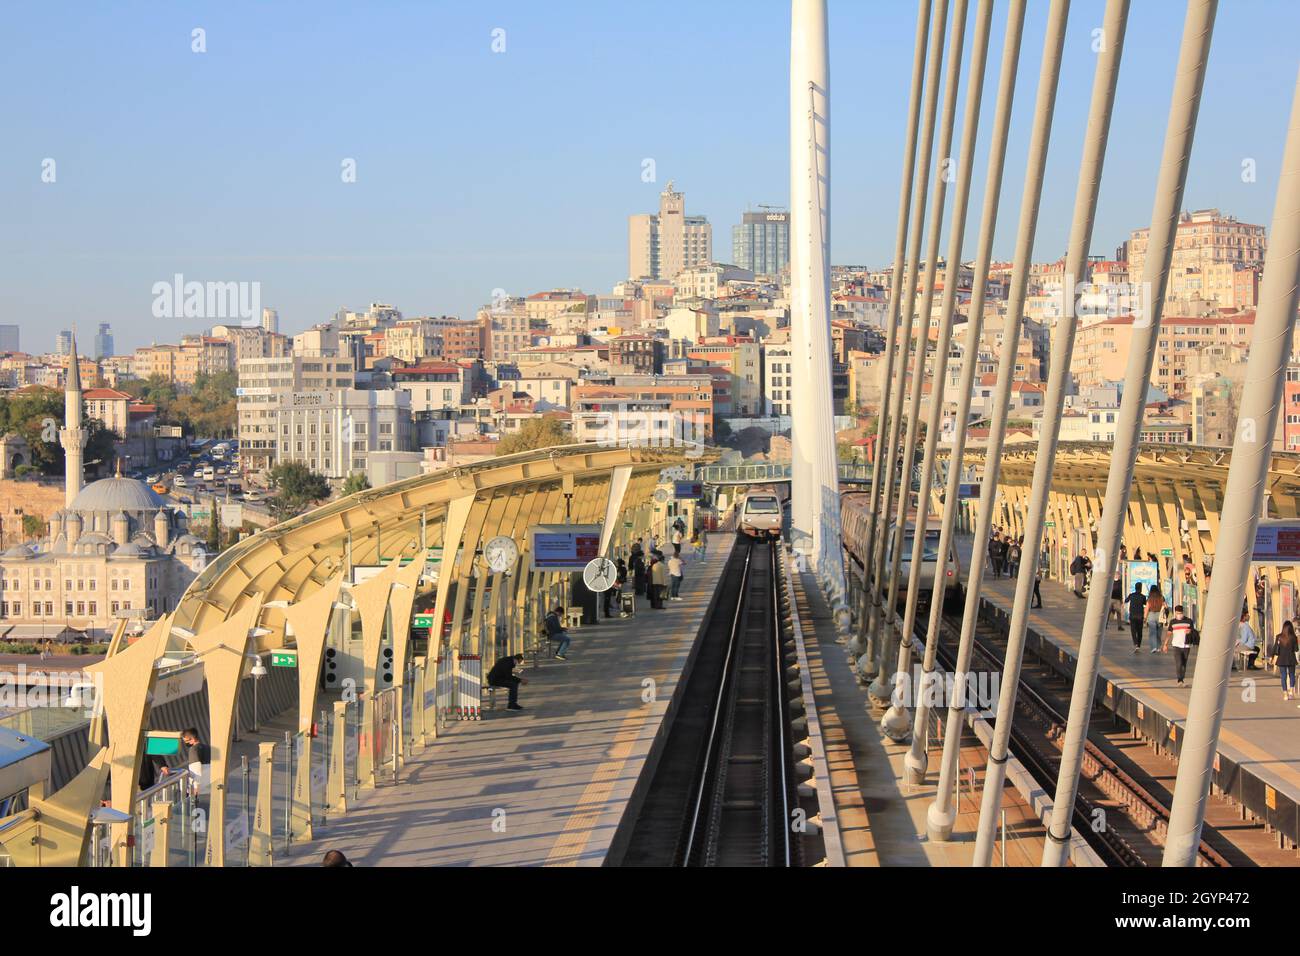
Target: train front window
(762,506)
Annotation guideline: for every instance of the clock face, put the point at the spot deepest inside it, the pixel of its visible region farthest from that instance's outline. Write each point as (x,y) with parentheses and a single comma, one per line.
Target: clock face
(501,553)
(661,495)
(599,574)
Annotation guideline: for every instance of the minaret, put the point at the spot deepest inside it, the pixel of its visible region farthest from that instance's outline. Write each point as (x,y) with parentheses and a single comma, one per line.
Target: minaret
(72,436)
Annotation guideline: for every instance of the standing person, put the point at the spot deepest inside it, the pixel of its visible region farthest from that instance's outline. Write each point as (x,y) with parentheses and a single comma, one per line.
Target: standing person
(1037,599)
(1137,609)
(1155,608)
(502,674)
(613,594)
(993,554)
(637,565)
(677,541)
(1183,637)
(198,757)
(1284,656)
(674,576)
(658,582)
(1079,568)
(1116,601)
(1247,641)
(1013,557)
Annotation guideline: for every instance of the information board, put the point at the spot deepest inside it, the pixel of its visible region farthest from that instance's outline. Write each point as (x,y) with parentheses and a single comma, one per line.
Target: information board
(1277,542)
(687,489)
(564,547)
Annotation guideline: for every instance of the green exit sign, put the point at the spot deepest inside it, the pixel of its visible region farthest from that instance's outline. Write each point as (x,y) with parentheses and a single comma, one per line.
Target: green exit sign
(284,658)
(422,620)
(1166,552)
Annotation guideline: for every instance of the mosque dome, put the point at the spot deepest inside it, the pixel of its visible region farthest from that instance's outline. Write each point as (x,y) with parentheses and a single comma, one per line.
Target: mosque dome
(117,494)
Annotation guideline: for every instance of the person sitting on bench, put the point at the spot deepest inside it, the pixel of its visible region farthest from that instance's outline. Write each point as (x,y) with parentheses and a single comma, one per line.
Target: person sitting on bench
(555,632)
(502,674)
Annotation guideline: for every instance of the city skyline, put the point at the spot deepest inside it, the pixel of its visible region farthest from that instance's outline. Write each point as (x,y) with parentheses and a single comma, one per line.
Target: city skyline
(435,227)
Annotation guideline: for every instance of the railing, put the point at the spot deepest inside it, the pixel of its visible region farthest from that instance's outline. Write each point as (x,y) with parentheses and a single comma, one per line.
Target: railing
(770,471)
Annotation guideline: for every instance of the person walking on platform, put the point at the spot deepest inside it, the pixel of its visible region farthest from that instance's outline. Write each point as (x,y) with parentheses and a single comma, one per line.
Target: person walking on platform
(1037,599)
(502,674)
(1183,636)
(1013,557)
(1284,656)
(658,582)
(1079,568)
(1137,609)
(1155,609)
(1247,641)
(677,541)
(993,555)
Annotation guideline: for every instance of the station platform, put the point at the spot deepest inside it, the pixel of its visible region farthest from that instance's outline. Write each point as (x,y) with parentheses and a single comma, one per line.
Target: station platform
(548,785)
(1258,759)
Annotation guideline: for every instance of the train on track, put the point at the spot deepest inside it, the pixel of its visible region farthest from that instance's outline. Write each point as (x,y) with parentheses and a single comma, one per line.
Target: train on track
(854,522)
(760,514)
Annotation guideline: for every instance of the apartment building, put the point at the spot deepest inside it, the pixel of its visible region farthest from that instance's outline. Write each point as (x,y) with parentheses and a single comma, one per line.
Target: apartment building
(263,383)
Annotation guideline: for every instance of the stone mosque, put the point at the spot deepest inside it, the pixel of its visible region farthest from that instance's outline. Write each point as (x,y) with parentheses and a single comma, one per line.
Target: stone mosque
(115,550)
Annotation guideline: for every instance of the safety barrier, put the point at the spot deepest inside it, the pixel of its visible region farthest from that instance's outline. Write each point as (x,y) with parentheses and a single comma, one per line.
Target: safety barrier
(469,688)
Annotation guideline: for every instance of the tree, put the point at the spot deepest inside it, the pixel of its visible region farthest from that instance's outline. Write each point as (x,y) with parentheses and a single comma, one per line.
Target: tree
(721,430)
(297,488)
(34,527)
(357,481)
(214,531)
(37,415)
(207,408)
(544,432)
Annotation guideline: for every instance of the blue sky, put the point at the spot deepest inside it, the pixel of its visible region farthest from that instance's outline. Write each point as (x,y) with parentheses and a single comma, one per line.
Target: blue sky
(479,170)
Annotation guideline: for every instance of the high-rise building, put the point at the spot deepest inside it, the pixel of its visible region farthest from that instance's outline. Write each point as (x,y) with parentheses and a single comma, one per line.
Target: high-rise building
(761,242)
(660,246)
(104,341)
(9,338)
(63,344)
(271,320)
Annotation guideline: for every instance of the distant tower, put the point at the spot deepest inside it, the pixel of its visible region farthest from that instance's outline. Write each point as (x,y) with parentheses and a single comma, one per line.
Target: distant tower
(270,320)
(72,436)
(63,343)
(104,341)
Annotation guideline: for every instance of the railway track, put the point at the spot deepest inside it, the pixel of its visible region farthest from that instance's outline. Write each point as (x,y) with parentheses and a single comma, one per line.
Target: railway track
(724,790)
(1116,810)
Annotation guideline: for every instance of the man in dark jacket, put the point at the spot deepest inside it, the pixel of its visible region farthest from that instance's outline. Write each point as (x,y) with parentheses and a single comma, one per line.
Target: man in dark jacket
(1137,612)
(555,631)
(502,674)
(1079,568)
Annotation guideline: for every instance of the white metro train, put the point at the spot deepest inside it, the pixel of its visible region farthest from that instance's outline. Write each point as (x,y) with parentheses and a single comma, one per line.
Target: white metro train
(760,514)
